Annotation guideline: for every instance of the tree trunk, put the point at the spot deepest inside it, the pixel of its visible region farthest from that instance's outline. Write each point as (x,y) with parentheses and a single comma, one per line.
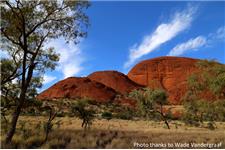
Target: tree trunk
(163,117)
(167,124)
(47,132)
(15,117)
(83,123)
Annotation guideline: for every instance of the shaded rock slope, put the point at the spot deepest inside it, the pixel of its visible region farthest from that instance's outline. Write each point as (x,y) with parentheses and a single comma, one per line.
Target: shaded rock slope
(78,87)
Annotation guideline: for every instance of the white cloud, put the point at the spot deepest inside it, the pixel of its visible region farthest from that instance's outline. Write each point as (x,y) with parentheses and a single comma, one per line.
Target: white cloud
(198,42)
(71,57)
(192,44)
(48,79)
(220,33)
(163,33)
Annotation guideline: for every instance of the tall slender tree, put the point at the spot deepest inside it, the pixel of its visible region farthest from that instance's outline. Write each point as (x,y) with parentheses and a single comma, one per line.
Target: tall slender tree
(26,26)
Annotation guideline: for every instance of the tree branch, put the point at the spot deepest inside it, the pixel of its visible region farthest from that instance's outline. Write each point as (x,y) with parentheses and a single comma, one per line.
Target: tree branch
(44,20)
(10,39)
(11,7)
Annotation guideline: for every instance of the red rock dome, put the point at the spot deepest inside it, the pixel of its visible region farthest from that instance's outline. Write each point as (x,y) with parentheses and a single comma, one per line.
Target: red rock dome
(168,73)
(75,87)
(115,80)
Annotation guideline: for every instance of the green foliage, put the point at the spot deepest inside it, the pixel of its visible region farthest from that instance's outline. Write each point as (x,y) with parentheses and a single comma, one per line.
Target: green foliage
(198,111)
(125,113)
(81,110)
(8,70)
(149,100)
(107,115)
(210,126)
(26,27)
(210,78)
(60,114)
(150,103)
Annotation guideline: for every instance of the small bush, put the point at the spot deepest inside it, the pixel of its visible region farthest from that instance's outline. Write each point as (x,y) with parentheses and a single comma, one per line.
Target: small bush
(124,115)
(210,126)
(60,114)
(107,115)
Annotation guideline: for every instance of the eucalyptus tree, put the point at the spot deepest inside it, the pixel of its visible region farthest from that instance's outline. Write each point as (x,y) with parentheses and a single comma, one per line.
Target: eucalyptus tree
(26,28)
(150,102)
(209,79)
(205,96)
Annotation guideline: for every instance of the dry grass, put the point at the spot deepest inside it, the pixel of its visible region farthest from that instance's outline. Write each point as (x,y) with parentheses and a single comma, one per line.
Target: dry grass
(67,133)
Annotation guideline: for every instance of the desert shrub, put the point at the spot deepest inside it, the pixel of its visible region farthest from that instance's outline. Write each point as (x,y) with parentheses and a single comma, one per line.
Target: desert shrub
(30,112)
(81,110)
(172,116)
(195,112)
(92,102)
(61,114)
(210,126)
(124,116)
(190,121)
(199,111)
(107,115)
(125,113)
(208,83)
(218,110)
(204,99)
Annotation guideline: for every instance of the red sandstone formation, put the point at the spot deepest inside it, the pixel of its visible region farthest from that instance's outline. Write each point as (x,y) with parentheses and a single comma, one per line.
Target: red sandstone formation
(115,80)
(168,73)
(75,87)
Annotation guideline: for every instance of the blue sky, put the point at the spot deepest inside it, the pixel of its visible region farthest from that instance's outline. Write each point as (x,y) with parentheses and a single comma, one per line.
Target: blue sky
(123,33)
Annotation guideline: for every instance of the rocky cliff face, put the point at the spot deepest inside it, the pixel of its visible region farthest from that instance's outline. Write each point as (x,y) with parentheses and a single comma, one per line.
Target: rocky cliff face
(115,80)
(74,87)
(168,73)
